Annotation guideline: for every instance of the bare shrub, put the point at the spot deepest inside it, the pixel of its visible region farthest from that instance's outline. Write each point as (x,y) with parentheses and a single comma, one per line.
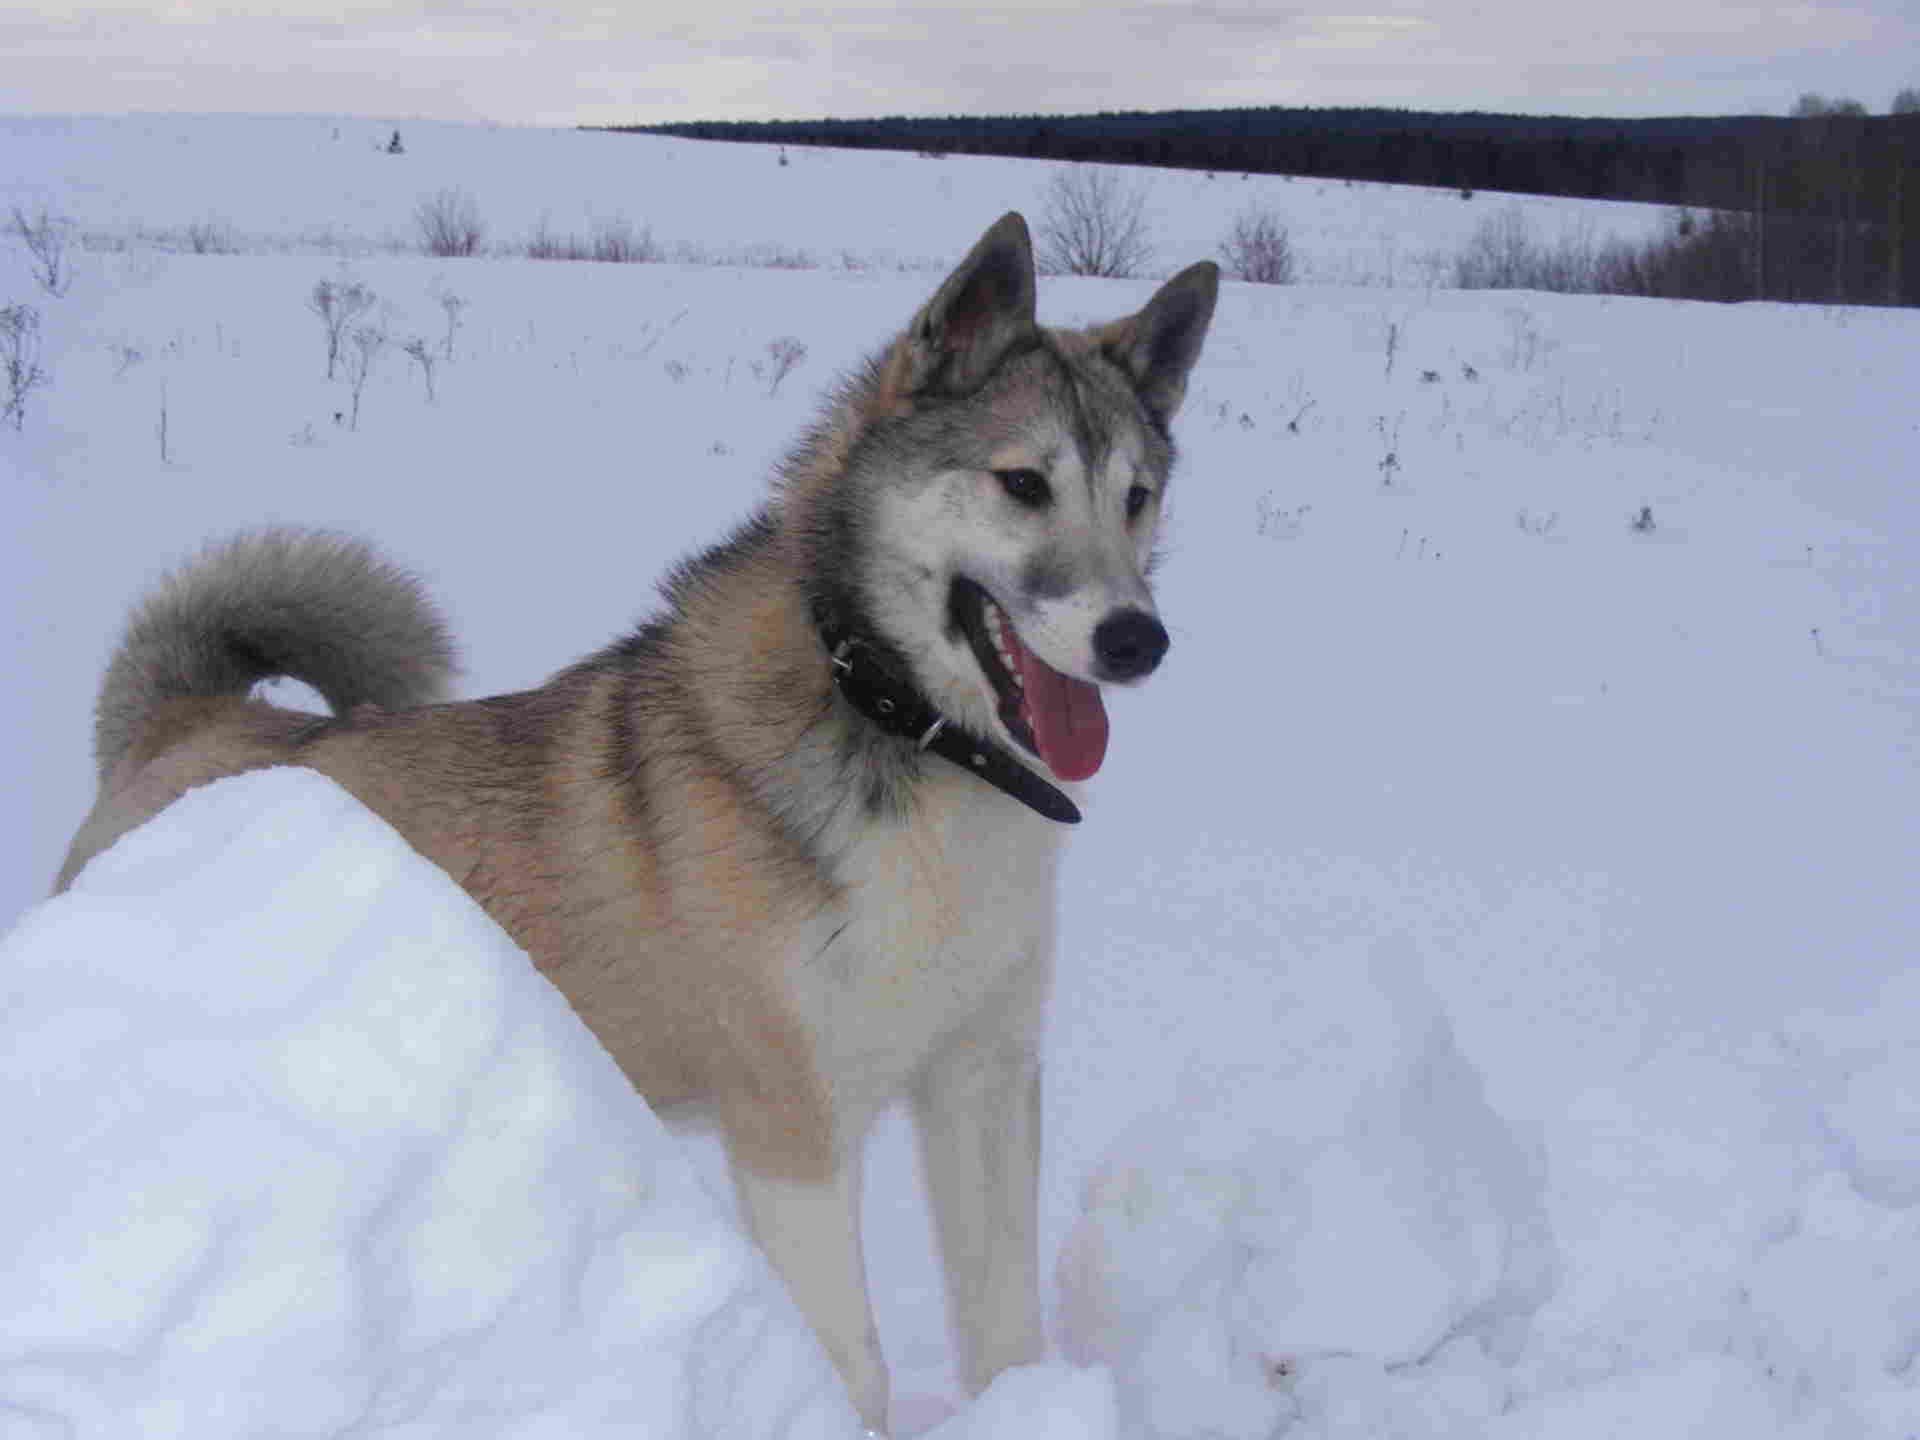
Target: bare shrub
(1692,259)
(1093,224)
(449,223)
(773,256)
(782,355)
(1504,255)
(617,242)
(1258,249)
(366,343)
(19,360)
(1538,526)
(338,303)
(96,242)
(422,355)
(1525,342)
(211,237)
(543,244)
(1498,255)
(452,305)
(45,237)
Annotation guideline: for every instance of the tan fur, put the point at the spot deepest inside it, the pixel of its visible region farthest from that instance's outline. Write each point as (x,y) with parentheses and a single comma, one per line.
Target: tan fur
(757,903)
(637,937)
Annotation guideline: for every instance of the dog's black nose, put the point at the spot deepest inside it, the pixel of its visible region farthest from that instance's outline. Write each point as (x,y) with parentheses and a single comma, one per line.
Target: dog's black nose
(1129,644)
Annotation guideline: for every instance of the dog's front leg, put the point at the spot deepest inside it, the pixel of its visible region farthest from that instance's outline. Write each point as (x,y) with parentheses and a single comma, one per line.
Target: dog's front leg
(811,1233)
(978,1112)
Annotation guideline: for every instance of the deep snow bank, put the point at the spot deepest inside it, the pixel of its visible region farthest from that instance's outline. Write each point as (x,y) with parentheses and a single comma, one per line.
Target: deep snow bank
(300,1144)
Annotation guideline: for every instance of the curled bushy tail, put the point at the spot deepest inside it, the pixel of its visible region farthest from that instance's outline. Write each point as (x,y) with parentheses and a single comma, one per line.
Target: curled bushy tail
(323,608)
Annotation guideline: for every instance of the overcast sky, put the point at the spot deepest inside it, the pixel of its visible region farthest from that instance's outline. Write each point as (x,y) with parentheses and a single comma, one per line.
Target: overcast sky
(562,62)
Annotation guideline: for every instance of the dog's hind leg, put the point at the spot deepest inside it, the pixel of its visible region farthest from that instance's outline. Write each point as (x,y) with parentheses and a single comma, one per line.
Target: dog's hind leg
(811,1233)
(978,1113)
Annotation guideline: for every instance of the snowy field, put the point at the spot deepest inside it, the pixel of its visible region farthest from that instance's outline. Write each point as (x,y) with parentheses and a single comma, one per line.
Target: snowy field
(326,186)
(1486,988)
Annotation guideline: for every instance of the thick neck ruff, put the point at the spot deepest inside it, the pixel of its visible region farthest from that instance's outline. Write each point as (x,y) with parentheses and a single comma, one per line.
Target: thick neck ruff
(897,708)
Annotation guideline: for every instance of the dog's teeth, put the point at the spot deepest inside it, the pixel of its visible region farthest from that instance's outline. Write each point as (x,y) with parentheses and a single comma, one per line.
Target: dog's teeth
(1005,652)
(1001,632)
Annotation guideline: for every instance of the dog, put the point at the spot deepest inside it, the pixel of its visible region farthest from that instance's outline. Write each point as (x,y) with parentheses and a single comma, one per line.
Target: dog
(789,849)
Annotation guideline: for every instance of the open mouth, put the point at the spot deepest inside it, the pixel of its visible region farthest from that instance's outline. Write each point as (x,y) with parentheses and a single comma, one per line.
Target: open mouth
(1057,717)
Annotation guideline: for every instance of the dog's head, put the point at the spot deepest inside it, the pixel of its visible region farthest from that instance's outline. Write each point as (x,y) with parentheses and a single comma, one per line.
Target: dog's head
(1012,480)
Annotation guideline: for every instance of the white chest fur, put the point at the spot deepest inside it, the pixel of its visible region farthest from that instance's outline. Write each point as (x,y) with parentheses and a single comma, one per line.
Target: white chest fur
(946,922)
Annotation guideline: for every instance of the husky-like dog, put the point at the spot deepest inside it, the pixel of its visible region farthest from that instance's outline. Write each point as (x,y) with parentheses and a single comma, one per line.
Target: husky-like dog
(789,850)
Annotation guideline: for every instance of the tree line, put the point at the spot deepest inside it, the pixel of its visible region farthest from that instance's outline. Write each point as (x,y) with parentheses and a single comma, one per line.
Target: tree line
(1821,205)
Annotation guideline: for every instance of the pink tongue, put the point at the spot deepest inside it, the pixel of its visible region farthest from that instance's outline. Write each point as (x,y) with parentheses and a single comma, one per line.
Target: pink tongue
(1069,722)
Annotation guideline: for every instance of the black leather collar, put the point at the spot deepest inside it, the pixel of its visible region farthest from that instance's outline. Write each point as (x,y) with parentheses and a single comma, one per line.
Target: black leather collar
(897,708)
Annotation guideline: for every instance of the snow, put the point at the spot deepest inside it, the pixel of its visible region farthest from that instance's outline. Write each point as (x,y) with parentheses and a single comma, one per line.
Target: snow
(1486,967)
(1043,1402)
(1404,1214)
(326,185)
(310,1149)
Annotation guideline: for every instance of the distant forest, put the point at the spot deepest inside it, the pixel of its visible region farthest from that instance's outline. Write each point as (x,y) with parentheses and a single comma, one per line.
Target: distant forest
(1831,202)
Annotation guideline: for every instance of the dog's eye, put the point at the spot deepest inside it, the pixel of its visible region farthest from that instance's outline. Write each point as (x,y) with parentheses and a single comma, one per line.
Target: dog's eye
(1029,487)
(1137,499)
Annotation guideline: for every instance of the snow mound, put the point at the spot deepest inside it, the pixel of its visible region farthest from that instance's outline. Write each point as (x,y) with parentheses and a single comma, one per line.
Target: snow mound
(1738,1241)
(1271,1245)
(1039,1402)
(302,1145)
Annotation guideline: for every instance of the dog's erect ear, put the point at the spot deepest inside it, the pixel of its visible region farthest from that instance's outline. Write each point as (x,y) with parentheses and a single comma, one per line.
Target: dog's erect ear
(982,311)
(1158,346)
